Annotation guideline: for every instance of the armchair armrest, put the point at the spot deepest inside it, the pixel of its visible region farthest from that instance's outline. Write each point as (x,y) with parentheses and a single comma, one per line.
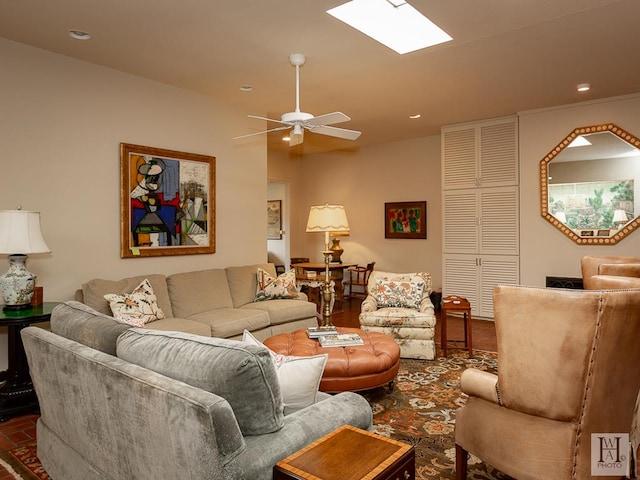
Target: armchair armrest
(479,383)
(369,304)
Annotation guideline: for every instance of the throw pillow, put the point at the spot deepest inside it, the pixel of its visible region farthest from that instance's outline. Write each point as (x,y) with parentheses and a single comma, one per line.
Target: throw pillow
(404,294)
(299,377)
(135,308)
(283,286)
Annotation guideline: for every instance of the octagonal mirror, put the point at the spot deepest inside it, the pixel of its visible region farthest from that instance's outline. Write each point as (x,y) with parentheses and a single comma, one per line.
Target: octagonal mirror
(589,185)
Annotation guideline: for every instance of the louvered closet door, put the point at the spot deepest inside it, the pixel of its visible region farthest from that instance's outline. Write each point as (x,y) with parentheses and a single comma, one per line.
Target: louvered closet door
(459,154)
(496,270)
(499,221)
(460,277)
(460,220)
(498,154)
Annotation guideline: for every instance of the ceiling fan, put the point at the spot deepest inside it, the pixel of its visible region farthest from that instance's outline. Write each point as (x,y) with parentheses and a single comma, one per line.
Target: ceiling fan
(301,120)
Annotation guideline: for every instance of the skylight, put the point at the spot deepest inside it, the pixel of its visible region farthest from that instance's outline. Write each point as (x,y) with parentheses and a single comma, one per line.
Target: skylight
(394,23)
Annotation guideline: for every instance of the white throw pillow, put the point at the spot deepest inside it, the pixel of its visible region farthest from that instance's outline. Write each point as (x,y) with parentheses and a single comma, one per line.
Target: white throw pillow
(284,286)
(135,308)
(299,377)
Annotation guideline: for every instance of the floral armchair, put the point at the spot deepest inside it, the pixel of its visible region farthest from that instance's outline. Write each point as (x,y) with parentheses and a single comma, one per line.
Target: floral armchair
(398,305)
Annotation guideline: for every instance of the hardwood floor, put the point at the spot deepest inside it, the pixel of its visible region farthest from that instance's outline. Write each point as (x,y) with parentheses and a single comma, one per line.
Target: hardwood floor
(22,429)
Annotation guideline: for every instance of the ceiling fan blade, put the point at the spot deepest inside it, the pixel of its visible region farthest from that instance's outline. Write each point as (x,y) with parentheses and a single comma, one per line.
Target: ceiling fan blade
(268,119)
(328,119)
(284,127)
(296,138)
(336,132)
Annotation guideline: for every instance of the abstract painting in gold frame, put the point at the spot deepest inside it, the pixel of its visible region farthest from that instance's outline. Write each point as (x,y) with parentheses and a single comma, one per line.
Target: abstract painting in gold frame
(167,202)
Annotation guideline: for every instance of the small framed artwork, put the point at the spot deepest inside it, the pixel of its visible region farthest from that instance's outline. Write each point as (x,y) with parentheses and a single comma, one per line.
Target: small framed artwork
(274,219)
(587,233)
(167,202)
(405,220)
(603,233)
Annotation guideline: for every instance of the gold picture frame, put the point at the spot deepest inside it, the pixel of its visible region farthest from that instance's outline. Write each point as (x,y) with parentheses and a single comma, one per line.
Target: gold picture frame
(274,219)
(167,202)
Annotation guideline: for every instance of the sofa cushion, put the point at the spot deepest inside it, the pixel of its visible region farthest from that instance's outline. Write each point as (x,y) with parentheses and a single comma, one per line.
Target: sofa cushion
(181,325)
(200,291)
(135,308)
(242,374)
(243,282)
(270,287)
(230,322)
(283,310)
(81,323)
(94,291)
(299,377)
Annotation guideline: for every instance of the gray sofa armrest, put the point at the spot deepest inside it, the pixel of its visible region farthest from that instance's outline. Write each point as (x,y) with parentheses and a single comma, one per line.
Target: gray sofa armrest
(300,429)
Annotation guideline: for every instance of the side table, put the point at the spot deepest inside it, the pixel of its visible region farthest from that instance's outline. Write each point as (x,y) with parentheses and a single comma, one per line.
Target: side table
(349,453)
(456,304)
(17,394)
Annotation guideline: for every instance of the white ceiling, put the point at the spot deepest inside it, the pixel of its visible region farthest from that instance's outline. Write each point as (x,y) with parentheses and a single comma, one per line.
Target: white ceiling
(506,56)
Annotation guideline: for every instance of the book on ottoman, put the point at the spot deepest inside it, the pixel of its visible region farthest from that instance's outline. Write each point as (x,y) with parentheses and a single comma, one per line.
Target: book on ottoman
(340,340)
(315,332)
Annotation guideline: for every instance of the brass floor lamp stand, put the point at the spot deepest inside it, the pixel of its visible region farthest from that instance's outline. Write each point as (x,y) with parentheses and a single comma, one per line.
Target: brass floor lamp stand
(327,294)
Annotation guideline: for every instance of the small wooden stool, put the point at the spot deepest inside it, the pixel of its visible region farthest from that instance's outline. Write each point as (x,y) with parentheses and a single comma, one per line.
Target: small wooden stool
(456,304)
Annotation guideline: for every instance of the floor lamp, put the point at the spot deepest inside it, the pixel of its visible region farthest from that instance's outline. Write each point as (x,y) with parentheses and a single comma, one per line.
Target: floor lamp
(327,218)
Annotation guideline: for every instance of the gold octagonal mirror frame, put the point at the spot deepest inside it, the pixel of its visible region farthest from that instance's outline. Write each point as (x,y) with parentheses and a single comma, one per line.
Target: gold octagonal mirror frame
(576,235)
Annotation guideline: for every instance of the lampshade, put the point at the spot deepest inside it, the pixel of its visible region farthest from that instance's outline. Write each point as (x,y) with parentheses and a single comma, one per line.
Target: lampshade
(20,233)
(620,216)
(327,218)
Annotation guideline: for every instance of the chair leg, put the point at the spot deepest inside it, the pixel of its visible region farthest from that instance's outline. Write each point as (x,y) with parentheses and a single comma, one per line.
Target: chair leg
(461,463)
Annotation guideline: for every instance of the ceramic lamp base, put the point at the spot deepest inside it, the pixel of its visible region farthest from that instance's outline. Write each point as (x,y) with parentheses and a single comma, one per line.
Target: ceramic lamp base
(17,284)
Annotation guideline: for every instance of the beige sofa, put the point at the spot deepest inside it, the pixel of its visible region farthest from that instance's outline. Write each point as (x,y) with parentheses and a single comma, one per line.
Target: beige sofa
(215,303)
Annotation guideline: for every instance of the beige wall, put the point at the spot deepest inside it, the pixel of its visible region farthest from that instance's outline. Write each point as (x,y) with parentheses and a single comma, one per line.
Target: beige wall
(61,123)
(363,181)
(544,250)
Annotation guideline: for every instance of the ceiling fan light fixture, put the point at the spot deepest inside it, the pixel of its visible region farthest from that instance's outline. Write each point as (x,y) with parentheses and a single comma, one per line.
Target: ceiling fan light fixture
(397,25)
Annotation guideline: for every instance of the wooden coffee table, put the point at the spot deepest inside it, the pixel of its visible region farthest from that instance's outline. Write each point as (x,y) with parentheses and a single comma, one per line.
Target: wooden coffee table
(349,453)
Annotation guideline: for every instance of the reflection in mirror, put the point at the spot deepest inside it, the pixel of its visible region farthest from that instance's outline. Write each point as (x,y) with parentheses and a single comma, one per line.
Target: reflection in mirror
(589,185)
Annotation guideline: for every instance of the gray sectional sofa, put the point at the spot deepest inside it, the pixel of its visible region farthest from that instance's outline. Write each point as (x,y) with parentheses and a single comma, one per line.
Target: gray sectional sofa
(134,403)
(214,303)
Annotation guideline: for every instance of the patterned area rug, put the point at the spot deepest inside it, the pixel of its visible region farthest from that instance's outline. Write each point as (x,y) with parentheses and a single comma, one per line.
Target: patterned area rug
(421,411)
(22,463)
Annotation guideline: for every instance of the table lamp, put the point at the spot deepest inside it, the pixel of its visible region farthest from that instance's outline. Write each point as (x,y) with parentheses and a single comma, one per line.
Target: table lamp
(620,217)
(335,246)
(327,218)
(19,235)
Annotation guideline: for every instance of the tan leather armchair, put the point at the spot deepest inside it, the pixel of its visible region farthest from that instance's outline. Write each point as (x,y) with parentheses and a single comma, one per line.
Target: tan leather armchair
(567,367)
(610,272)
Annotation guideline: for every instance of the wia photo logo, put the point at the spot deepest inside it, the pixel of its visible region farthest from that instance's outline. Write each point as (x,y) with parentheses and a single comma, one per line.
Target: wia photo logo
(609,454)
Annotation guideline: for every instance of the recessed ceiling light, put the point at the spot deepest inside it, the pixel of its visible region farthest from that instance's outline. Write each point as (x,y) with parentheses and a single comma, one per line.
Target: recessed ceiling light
(417,115)
(246,88)
(583,87)
(394,23)
(79,35)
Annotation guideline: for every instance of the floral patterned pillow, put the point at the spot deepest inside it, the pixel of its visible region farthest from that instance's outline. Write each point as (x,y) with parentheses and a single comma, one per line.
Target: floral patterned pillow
(405,294)
(135,308)
(284,286)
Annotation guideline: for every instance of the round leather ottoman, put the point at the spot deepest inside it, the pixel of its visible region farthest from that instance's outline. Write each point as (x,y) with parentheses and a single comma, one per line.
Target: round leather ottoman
(352,368)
